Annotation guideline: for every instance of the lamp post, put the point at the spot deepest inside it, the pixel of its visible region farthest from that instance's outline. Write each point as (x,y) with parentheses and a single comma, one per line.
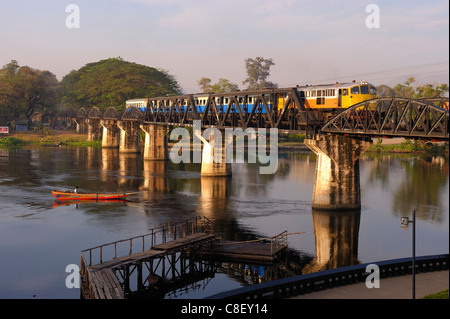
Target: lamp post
(405,222)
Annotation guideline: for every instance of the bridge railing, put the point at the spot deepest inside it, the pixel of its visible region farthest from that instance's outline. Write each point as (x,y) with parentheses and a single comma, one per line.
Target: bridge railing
(302,284)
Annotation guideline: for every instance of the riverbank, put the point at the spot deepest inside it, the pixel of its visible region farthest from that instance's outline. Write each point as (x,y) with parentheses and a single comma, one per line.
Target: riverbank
(52,138)
(72,138)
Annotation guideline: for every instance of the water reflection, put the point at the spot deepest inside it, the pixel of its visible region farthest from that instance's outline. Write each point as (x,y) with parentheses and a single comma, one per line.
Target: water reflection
(245,206)
(214,199)
(336,239)
(419,188)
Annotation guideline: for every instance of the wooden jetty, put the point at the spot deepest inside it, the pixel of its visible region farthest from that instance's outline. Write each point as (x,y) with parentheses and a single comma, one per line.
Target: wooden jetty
(164,258)
(172,251)
(264,250)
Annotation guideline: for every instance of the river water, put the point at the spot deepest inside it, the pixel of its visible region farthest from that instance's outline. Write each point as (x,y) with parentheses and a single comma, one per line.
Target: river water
(39,238)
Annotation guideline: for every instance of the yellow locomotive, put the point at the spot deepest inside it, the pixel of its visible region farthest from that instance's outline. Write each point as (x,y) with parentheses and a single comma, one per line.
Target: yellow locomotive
(329,97)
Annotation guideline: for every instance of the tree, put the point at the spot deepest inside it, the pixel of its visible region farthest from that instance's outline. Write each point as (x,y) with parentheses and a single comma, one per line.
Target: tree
(223,85)
(204,84)
(24,90)
(420,92)
(430,90)
(385,91)
(112,81)
(258,70)
(405,89)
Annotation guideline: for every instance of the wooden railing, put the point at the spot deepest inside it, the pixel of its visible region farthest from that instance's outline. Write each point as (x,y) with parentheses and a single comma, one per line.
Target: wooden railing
(136,244)
(279,241)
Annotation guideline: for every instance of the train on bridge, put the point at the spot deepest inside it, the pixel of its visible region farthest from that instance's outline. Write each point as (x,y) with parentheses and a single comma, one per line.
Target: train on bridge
(327,98)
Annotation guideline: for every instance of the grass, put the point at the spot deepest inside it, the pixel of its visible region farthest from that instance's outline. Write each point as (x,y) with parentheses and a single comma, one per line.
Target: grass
(440,295)
(409,146)
(11,141)
(66,138)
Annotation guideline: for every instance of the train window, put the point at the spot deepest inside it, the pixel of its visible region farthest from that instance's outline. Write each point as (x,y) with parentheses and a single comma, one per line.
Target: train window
(355,90)
(364,89)
(320,100)
(345,92)
(373,91)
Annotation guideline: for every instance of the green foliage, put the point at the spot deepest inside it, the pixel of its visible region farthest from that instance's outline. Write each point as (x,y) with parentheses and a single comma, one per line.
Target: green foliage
(11,141)
(82,143)
(408,146)
(293,138)
(223,85)
(406,90)
(112,81)
(440,295)
(24,90)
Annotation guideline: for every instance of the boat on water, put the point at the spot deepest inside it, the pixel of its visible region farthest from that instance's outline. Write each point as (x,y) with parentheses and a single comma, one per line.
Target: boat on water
(88,196)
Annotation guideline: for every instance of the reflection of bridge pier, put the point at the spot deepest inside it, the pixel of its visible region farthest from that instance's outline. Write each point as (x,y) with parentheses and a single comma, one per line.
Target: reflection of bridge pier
(336,239)
(129,164)
(215,194)
(337,185)
(110,163)
(155,179)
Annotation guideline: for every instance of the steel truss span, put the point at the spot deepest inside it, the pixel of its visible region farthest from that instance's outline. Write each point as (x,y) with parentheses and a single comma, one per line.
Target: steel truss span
(393,117)
(257,109)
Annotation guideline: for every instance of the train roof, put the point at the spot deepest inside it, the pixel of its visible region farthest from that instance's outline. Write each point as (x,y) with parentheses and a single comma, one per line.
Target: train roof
(137,100)
(254,92)
(333,85)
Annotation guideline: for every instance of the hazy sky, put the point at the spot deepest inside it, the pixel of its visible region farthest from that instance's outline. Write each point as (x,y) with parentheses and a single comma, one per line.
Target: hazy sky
(309,41)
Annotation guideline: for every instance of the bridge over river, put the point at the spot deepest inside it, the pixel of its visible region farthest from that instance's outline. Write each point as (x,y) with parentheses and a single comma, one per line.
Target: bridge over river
(338,138)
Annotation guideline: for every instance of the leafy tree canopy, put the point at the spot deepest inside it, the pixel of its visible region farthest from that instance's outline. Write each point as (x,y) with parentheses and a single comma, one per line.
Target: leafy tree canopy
(112,81)
(24,90)
(406,90)
(223,85)
(258,70)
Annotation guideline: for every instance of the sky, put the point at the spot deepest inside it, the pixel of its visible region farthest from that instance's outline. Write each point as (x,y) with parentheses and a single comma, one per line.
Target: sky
(309,41)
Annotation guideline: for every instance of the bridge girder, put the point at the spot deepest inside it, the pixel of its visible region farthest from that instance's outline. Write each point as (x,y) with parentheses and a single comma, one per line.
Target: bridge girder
(394,117)
(402,117)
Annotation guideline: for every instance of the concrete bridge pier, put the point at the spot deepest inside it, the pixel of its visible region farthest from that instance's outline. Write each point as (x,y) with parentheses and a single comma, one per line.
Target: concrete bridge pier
(80,125)
(129,137)
(110,136)
(213,157)
(94,129)
(155,145)
(337,185)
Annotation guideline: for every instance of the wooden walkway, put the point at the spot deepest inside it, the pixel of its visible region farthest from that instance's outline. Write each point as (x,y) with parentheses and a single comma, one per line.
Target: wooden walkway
(110,279)
(100,280)
(250,252)
(104,283)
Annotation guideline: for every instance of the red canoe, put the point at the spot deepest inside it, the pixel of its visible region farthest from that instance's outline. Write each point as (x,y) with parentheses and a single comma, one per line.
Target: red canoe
(90,196)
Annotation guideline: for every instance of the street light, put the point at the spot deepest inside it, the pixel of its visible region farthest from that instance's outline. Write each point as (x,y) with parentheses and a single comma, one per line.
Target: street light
(405,222)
